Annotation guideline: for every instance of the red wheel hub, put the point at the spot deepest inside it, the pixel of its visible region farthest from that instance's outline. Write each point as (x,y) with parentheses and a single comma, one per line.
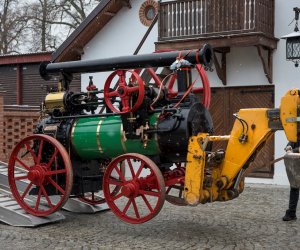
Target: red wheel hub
(130,190)
(36,175)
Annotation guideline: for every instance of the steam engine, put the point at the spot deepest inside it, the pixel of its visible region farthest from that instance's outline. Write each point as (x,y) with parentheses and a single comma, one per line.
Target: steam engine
(129,118)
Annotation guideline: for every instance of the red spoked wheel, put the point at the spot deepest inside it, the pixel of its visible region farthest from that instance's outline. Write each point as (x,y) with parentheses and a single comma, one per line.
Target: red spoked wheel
(141,193)
(93,198)
(205,89)
(177,200)
(174,193)
(44,165)
(125,92)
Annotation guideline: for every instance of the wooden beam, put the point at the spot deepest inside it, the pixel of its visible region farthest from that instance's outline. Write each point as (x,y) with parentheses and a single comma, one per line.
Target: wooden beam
(221,66)
(241,40)
(108,13)
(19,84)
(267,61)
(146,35)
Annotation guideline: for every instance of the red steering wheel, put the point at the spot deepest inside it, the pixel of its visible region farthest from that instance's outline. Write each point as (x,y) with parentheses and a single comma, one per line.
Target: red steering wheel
(205,89)
(125,91)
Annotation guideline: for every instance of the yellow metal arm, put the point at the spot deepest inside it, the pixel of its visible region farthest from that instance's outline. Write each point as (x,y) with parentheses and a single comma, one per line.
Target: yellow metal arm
(238,152)
(212,176)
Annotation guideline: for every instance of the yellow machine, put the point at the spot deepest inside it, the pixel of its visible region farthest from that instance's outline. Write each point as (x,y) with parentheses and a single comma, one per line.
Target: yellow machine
(219,176)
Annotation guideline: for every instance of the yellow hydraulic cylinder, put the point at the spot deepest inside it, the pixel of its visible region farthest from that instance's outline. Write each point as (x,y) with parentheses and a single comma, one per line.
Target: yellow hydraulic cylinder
(194,172)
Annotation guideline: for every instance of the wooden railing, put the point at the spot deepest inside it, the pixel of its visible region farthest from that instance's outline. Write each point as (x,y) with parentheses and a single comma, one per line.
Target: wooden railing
(201,18)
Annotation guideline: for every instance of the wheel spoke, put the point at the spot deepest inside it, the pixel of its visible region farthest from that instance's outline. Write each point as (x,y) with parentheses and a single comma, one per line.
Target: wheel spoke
(26,190)
(127,206)
(133,89)
(145,192)
(56,185)
(62,171)
(38,199)
(120,174)
(122,78)
(40,152)
(135,209)
(31,152)
(131,168)
(52,158)
(147,203)
(154,76)
(125,104)
(21,177)
(139,170)
(199,90)
(169,189)
(117,197)
(113,94)
(23,164)
(180,193)
(115,182)
(46,196)
(172,81)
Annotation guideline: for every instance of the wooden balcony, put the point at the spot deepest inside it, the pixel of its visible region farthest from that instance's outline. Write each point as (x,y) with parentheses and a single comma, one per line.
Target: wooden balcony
(188,24)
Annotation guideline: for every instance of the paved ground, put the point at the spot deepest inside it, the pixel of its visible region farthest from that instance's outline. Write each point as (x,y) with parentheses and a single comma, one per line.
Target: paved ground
(252,221)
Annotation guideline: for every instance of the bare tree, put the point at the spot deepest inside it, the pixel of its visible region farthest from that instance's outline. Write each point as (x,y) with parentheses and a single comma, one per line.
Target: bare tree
(41,28)
(13,24)
(53,20)
(39,25)
(75,11)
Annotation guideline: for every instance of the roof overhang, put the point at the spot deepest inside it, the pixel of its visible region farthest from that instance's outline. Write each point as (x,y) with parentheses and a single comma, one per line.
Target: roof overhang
(25,58)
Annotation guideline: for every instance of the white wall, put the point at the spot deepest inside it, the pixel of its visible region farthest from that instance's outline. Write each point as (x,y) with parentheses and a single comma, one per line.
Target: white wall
(122,35)
(119,37)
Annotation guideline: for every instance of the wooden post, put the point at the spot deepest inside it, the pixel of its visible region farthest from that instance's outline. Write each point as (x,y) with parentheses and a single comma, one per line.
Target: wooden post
(19,84)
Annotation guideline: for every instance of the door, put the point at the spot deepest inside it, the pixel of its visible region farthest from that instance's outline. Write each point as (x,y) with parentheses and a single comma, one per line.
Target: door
(226,102)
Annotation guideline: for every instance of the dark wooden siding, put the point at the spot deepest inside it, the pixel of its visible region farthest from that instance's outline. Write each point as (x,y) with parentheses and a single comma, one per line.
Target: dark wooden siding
(226,102)
(8,81)
(35,88)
